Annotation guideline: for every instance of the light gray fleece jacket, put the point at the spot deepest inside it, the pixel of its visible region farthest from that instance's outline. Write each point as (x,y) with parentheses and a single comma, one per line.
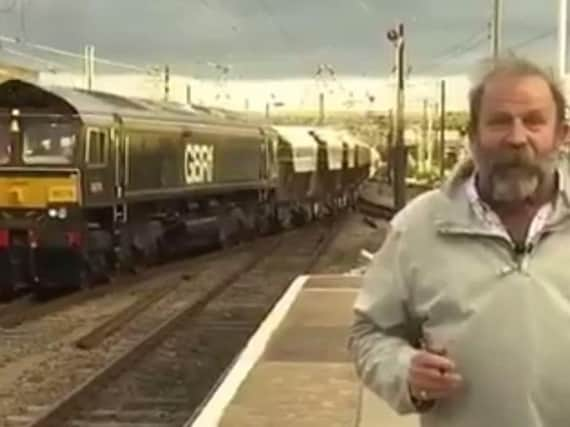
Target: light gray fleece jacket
(504,318)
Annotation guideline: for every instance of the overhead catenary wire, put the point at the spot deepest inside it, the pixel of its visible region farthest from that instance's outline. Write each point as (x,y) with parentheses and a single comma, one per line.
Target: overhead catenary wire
(474,41)
(62,52)
(236,27)
(52,65)
(288,40)
(456,48)
(541,36)
(450,53)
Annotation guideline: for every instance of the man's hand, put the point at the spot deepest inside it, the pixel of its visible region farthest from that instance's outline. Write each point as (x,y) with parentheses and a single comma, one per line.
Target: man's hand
(432,376)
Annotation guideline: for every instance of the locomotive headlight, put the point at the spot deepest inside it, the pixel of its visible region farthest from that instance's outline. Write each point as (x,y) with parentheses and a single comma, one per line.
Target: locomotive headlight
(57,213)
(14,123)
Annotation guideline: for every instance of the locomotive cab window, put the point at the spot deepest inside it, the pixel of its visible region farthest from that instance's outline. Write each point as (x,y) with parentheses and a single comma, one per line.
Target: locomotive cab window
(4,141)
(47,142)
(97,147)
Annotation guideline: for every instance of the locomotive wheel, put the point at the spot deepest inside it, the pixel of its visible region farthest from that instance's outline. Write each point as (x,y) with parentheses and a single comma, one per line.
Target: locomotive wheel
(228,231)
(299,217)
(338,203)
(330,208)
(274,223)
(227,239)
(352,199)
(317,211)
(246,221)
(144,259)
(125,258)
(307,209)
(83,281)
(95,270)
(134,259)
(285,217)
(76,278)
(99,268)
(263,223)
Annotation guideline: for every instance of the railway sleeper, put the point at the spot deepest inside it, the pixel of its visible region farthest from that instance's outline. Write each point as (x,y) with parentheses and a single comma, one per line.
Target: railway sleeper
(141,416)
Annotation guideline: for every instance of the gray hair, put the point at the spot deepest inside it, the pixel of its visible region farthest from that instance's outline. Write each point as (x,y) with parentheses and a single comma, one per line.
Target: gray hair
(513,66)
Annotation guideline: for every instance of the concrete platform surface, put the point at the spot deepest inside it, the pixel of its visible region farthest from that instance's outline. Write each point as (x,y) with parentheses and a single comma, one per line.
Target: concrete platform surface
(296,369)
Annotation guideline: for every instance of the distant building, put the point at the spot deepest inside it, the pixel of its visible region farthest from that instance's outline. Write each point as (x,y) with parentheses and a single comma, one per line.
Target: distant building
(10,71)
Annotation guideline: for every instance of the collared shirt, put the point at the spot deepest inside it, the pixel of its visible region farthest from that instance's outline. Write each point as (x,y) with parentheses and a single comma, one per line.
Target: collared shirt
(486,214)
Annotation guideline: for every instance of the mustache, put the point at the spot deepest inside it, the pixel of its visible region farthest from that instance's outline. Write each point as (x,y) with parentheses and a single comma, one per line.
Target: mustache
(514,157)
(520,159)
(498,161)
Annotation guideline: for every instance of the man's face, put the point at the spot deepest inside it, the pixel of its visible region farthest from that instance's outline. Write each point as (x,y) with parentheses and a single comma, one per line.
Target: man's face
(516,143)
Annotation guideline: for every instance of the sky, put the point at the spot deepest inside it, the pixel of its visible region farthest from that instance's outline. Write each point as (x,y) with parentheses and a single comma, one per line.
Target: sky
(274,39)
(280,38)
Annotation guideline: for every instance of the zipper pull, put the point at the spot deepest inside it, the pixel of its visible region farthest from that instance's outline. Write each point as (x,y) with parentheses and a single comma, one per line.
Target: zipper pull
(506,270)
(522,254)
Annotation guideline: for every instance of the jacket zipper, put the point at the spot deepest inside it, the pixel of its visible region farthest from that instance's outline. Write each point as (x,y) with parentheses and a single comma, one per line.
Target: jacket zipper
(515,262)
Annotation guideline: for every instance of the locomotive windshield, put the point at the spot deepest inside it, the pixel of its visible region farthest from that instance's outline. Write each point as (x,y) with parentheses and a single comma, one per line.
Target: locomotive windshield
(46,142)
(4,141)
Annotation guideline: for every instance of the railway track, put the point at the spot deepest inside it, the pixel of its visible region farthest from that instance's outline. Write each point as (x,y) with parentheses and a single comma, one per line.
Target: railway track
(376,210)
(26,308)
(40,360)
(371,203)
(162,376)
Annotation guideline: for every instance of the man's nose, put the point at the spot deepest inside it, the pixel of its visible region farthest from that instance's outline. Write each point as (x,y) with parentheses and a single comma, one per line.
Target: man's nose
(517,133)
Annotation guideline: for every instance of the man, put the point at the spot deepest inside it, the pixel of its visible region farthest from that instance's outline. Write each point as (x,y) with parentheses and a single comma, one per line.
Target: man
(464,313)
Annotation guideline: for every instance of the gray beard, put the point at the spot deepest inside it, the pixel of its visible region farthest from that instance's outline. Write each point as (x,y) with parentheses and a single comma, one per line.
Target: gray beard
(514,185)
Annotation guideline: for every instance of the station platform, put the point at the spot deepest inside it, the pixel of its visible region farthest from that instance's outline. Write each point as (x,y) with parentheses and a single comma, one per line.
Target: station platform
(296,369)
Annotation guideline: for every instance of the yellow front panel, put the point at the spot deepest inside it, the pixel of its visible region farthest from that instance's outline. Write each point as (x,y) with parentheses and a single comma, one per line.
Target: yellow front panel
(37,191)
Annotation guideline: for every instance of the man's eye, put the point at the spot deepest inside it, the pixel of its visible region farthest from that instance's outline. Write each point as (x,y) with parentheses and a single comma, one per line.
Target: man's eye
(534,120)
(499,121)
